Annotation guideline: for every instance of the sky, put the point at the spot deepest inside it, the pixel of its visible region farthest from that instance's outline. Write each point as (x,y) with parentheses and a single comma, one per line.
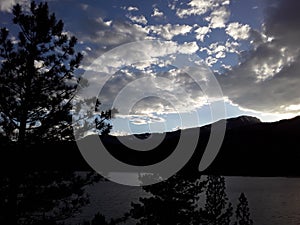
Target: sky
(248,47)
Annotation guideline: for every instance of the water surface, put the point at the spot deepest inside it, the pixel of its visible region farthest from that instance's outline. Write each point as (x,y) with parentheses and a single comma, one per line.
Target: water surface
(272,201)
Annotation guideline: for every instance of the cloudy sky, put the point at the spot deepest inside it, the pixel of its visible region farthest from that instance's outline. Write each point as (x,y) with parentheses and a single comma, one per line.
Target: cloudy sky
(250,47)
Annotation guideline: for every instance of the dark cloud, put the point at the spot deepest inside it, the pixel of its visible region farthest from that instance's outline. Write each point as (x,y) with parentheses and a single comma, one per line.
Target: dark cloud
(90,22)
(283,22)
(268,77)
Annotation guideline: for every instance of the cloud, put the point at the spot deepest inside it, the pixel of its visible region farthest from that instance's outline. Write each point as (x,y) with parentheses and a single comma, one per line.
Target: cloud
(267,78)
(188,47)
(145,88)
(119,32)
(238,31)
(109,37)
(157,13)
(145,54)
(198,7)
(201,32)
(216,48)
(132,8)
(106,35)
(119,133)
(146,118)
(138,19)
(292,107)
(219,50)
(95,28)
(6,5)
(218,17)
(163,93)
(232,46)
(210,61)
(220,54)
(226,2)
(226,67)
(84,6)
(168,31)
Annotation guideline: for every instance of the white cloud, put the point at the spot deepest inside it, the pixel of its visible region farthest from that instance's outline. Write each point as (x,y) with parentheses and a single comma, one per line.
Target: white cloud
(149,51)
(188,47)
(198,7)
(210,61)
(202,32)
(108,23)
(157,13)
(138,19)
(172,5)
(226,2)
(168,92)
(146,118)
(168,31)
(217,50)
(38,64)
(178,90)
(101,22)
(238,31)
(220,55)
(6,5)
(132,8)
(218,17)
(119,133)
(265,69)
(292,108)
(232,46)
(226,67)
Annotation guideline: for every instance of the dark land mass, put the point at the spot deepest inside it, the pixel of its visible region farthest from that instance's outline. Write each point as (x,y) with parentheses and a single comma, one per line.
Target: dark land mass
(250,148)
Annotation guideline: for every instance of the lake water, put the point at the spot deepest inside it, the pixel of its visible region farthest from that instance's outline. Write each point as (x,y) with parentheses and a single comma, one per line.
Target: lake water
(272,201)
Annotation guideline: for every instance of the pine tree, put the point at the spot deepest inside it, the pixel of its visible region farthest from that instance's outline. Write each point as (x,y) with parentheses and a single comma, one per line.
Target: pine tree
(174,201)
(37,80)
(242,212)
(217,210)
(37,87)
(37,77)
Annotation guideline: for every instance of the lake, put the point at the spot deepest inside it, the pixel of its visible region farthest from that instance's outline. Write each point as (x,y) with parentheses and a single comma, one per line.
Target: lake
(272,201)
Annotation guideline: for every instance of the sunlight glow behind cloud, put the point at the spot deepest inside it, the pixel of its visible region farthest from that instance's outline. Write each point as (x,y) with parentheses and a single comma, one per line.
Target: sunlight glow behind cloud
(253,47)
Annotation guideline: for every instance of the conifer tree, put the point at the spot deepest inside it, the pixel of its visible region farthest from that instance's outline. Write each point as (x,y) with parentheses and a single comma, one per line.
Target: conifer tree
(37,88)
(217,210)
(242,212)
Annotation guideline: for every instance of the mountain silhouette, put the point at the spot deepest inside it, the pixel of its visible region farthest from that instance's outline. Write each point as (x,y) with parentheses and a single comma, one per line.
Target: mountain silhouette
(250,148)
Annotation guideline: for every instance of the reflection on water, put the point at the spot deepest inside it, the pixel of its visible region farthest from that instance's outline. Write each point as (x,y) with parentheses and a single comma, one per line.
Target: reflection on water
(272,201)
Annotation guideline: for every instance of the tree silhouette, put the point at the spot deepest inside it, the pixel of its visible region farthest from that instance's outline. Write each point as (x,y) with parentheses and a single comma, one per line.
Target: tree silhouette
(37,91)
(37,79)
(99,219)
(173,201)
(217,210)
(242,212)
(178,201)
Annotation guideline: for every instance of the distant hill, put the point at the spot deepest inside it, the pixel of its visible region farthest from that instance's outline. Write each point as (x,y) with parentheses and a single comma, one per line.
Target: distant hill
(241,121)
(250,148)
